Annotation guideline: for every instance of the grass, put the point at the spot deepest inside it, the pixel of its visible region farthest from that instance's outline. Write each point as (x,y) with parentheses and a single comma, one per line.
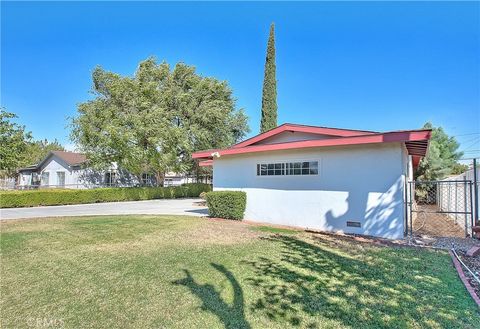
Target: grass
(277,230)
(185,272)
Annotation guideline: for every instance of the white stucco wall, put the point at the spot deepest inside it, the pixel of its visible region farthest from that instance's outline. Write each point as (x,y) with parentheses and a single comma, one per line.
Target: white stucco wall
(55,165)
(362,183)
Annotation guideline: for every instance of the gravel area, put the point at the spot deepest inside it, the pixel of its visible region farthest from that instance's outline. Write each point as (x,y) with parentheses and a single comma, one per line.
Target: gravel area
(460,244)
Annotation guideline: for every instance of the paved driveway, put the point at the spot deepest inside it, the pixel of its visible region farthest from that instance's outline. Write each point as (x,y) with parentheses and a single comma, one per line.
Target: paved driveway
(150,207)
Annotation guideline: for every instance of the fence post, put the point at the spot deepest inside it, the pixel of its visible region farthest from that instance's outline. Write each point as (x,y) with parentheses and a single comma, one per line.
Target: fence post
(475,188)
(405,230)
(411,187)
(471,210)
(465,206)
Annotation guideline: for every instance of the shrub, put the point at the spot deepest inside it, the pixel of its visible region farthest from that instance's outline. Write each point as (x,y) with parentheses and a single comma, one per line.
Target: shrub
(51,197)
(226,204)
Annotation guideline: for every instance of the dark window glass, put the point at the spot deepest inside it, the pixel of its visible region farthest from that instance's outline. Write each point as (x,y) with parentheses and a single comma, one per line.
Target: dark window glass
(289,168)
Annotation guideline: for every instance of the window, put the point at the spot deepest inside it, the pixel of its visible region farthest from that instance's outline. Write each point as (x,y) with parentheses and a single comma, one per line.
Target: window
(288,168)
(45,180)
(61,178)
(110,178)
(148,179)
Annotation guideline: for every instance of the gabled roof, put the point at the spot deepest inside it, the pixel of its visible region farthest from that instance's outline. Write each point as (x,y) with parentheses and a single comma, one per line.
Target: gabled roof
(338,132)
(416,141)
(70,158)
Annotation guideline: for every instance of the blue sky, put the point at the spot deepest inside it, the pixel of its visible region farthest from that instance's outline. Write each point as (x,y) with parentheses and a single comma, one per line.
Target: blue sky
(375,66)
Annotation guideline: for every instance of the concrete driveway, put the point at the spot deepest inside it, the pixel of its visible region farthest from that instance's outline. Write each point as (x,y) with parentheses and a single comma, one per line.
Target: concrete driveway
(150,207)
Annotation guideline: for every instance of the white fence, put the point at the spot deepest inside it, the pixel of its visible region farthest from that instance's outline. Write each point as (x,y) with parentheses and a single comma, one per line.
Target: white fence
(457,195)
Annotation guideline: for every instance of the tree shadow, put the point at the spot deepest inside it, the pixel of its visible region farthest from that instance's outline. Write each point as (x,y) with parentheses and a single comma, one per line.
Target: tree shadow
(317,280)
(232,316)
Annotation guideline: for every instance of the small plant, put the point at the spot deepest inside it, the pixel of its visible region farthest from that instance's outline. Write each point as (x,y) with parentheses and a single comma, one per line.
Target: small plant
(203,195)
(226,204)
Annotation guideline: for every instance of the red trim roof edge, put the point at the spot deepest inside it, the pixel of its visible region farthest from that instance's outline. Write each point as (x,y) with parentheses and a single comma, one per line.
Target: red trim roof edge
(393,136)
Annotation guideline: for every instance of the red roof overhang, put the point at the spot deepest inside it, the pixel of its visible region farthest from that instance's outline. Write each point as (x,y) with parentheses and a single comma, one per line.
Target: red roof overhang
(205,163)
(416,142)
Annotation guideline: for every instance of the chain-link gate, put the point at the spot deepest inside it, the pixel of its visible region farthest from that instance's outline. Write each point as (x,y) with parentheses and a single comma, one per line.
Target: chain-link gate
(439,208)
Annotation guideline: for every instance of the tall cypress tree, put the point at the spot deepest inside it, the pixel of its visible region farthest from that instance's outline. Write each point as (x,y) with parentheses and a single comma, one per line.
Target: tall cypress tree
(269,96)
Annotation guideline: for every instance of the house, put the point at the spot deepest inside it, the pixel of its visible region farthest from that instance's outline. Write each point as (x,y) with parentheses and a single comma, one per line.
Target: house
(60,169)
(321,178)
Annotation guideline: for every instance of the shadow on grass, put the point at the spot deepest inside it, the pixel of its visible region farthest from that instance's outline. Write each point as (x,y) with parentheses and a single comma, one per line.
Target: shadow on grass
(325,281)
(232,316)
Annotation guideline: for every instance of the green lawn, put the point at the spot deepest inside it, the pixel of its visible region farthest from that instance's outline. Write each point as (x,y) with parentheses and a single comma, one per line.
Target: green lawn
(185,272)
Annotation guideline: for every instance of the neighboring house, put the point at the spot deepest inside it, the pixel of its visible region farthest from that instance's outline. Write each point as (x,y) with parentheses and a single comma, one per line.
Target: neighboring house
(322,178)
(70,170)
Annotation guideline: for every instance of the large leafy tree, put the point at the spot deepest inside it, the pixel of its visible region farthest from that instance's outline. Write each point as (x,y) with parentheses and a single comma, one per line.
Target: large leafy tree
(36,151)
(269,95)
(14,141)
(153,121)
(442,158)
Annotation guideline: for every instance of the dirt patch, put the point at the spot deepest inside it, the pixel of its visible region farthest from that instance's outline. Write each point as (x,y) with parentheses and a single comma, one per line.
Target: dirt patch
(196,232)
(427,222)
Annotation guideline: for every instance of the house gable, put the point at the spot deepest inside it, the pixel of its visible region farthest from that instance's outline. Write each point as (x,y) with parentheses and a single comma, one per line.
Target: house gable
(321,132)
(53,163)
(292,136)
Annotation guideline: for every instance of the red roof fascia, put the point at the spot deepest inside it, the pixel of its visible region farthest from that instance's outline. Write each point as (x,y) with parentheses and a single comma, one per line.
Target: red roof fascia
(396,136)
(305,129)
(206,163)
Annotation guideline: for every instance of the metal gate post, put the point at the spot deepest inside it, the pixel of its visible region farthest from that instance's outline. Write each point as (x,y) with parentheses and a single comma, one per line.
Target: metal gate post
(475,188)
(412,186)
(405,194)
(465,205)
(471,210)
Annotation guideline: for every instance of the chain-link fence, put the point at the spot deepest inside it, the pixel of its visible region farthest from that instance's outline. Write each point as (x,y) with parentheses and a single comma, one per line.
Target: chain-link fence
(441,208)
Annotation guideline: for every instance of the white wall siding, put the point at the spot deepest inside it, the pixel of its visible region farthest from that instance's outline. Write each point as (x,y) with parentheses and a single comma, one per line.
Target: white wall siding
(363,184)
(290,136)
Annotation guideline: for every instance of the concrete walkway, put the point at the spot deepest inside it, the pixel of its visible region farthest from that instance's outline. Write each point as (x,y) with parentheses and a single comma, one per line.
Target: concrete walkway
(150,207)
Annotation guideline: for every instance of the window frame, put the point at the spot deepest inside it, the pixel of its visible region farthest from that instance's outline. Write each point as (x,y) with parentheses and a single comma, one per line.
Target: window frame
(58,178)
(285,162)
(42,178)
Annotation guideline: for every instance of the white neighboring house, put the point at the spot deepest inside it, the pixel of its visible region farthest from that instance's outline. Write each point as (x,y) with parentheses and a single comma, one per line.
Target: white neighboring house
(320,178)
(62,169)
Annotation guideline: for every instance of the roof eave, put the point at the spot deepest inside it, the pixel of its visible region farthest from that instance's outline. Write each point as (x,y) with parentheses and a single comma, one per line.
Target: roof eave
(396,136)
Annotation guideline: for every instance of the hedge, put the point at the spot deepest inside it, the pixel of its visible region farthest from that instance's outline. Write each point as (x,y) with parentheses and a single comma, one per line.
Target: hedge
(226,204)
(52,197)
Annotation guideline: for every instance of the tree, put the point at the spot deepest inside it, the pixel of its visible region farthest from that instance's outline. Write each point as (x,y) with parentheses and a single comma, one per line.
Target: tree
(153,121)
(13,143)
(36,151)
(269,95)
(442,158)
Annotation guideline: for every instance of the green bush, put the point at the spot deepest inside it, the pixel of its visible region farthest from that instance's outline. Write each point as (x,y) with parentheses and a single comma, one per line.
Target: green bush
(226,204)
(52,197)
